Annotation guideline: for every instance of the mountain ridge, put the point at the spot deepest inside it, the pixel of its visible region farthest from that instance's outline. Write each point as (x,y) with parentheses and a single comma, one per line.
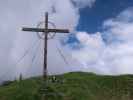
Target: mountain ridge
(73,86)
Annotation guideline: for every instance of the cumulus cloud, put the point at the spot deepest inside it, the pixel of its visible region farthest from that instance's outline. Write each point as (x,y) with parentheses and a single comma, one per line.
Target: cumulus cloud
(61,20)
(14,42)
(112,55)
(121,26)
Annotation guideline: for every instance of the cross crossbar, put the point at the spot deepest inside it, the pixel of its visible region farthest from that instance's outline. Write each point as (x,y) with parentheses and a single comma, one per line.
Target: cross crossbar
(45,30)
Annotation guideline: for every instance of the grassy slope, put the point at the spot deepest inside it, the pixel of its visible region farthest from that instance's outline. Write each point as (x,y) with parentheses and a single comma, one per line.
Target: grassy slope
(75,86)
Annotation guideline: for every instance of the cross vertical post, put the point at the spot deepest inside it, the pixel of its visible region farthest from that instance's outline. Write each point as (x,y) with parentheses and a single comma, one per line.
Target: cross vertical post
(45,47)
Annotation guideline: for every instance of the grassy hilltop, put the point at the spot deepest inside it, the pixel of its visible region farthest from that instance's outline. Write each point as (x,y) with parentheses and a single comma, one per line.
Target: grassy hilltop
(74,86)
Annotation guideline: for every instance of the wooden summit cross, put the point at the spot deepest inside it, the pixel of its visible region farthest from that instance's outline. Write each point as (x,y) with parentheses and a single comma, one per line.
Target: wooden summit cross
(45,32)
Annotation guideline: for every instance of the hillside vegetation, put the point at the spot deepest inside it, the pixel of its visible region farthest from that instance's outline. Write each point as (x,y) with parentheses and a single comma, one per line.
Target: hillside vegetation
(73,86)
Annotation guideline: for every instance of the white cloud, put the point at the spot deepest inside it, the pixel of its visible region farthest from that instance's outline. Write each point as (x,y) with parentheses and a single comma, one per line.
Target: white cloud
(119,29)
(116,56)
(92,47)
(14,42)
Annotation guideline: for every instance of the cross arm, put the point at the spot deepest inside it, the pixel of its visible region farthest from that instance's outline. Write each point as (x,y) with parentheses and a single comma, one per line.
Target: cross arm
(58,30)
(33,29)
(44,30)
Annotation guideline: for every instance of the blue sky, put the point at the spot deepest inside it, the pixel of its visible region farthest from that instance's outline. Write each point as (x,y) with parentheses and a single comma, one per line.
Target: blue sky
(91,20)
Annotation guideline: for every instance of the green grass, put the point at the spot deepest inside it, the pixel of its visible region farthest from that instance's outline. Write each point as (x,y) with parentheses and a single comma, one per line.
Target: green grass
(74,86)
